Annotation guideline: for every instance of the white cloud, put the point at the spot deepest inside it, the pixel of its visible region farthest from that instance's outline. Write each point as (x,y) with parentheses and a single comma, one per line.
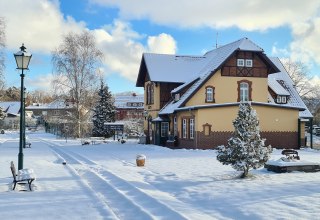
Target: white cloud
(305,45)
(163,43)
(37,23)
(249,15)
(42,82)
(244,14)
(122,49)
(40,25)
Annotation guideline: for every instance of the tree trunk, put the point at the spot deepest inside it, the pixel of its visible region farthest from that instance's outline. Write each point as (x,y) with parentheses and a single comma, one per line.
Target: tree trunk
(245,172)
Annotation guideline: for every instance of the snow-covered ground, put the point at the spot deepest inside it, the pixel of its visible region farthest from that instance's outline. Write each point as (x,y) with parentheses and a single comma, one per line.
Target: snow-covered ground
(103,182)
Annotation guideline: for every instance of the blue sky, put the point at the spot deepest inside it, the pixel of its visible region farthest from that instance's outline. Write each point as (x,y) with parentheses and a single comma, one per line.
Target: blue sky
(125,29)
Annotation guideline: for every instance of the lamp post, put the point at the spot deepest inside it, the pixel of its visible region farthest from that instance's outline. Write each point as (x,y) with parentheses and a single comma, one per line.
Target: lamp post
(22,59)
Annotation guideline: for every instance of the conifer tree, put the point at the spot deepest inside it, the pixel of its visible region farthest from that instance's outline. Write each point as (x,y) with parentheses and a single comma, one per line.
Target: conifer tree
(245,149)
(103,112)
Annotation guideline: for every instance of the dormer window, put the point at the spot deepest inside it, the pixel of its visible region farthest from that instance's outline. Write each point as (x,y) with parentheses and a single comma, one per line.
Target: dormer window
(240,62)
(281,99)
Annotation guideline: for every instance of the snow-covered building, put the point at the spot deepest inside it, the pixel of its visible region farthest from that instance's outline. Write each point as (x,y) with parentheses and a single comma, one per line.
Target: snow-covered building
(12,119)
(53,111)
(191,101)
(129,106)
(12,110)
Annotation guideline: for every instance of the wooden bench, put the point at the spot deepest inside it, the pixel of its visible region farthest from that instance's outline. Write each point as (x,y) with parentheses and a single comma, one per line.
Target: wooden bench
(24,176)
(291,154)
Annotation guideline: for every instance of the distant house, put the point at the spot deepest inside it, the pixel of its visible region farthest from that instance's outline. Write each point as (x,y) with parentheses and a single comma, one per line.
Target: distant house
(12,109)
(129,106)
(12,120)
(53,112)
(191,101)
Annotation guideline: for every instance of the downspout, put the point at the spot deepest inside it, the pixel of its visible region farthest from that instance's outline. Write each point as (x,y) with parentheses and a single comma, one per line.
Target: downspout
(299,133)
(311,134)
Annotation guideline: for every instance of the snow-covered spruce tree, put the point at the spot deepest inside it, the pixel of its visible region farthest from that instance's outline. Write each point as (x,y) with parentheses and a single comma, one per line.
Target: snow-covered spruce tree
(103,112)
(245,149)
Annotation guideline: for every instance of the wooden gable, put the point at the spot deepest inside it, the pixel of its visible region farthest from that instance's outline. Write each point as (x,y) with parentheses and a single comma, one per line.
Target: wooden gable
(260,65)
(143,75)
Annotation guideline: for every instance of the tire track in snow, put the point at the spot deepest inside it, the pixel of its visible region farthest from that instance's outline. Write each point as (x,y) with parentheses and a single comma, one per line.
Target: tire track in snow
(101,204)
(125,200)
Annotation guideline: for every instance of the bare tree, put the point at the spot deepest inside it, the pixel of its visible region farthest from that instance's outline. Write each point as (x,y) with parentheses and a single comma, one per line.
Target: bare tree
(2,48)
(76,62)
(301,78)
(40,96)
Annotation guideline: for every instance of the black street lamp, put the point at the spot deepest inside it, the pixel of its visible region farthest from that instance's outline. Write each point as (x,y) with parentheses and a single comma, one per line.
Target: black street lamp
(22,59)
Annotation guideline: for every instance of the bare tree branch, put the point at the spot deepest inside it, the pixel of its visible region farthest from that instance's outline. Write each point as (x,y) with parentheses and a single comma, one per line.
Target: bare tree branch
(76,62)
(2,54)
(301,78)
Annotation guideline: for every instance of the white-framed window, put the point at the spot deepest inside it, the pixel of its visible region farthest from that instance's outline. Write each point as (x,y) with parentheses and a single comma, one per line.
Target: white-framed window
(176,97)
(284,99)
(191,128)
(278,99)
(240,62)
(249,63)
(244,92)
(164,129)
(175,126)
(184,128)
(281,99)
(209,94)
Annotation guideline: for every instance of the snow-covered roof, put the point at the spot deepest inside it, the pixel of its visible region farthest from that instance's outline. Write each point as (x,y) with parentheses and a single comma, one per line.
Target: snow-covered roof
(56,104)
(193,71)
(215,59)
(11,107)
(173,68)
(182,69)
(129,101)
(295,99)
(286,88)
(275,85)
(279,82)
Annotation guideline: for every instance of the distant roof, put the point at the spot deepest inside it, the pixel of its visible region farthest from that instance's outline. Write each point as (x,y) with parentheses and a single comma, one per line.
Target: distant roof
(56,104)
(121,101)
(11,107)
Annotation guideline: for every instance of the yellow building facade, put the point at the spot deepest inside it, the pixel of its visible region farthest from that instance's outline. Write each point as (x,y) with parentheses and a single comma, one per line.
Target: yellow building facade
(190,102)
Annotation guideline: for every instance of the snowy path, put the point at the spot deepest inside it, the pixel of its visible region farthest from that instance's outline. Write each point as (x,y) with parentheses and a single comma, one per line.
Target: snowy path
(126,200)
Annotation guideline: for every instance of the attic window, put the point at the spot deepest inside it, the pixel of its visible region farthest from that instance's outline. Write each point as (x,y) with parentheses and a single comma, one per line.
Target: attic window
(176,97)
(248,63)
(281,99)
(240,62)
